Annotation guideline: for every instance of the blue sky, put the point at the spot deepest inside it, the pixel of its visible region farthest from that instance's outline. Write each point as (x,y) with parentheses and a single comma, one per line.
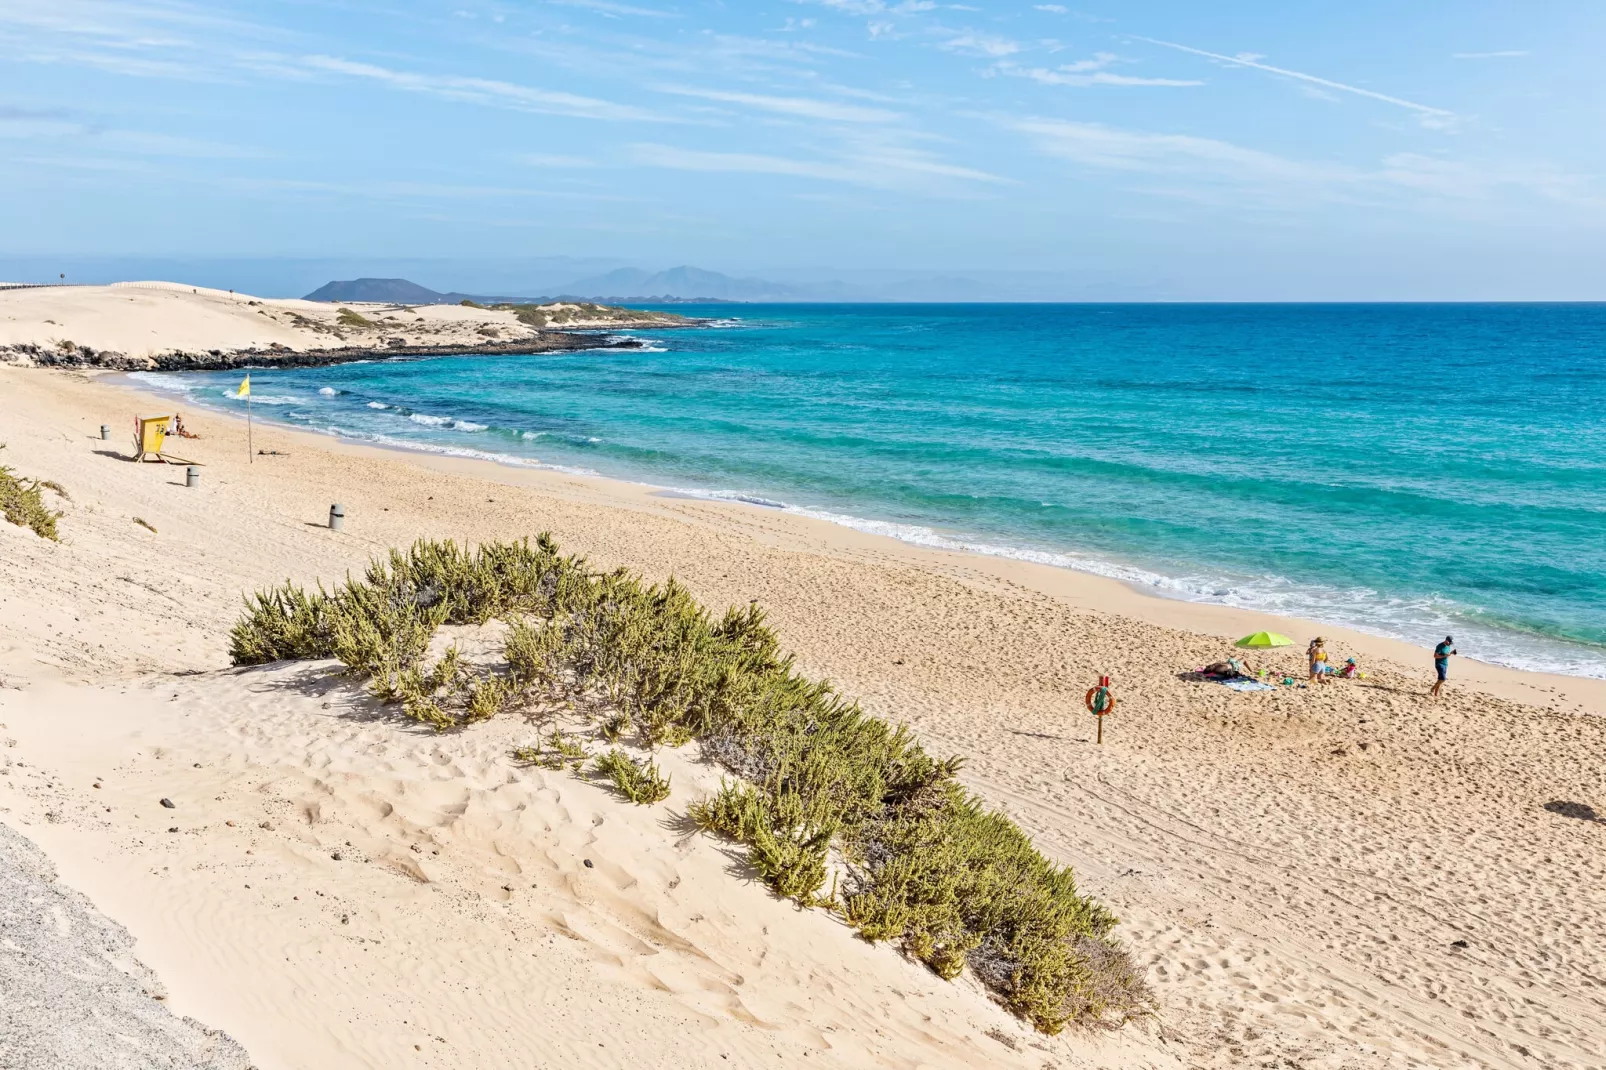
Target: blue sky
(1233,150)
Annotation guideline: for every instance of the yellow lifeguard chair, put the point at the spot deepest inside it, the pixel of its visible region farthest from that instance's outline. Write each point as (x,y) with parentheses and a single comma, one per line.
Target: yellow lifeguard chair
(150,432)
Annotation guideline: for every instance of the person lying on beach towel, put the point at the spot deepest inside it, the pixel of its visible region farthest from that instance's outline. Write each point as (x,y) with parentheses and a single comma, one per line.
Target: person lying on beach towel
(1231,669)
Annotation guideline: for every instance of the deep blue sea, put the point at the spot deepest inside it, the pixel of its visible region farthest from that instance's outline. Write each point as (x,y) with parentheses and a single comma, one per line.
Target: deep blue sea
(1409,470)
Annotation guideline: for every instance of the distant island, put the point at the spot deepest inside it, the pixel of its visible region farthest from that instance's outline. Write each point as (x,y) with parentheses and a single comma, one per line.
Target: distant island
(684,285)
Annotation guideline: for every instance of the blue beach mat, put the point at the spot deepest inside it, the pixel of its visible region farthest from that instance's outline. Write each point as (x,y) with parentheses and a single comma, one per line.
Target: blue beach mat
(1246,685)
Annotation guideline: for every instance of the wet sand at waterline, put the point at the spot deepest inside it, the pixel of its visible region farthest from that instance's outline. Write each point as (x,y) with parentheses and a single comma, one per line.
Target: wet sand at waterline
(1349,875)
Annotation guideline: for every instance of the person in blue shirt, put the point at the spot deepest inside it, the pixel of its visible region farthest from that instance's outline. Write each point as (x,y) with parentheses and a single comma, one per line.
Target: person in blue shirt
(1441,663)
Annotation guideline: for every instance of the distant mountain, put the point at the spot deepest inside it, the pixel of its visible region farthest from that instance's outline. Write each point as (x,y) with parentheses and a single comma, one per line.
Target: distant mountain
(681,283)
(631,285)
(391,292)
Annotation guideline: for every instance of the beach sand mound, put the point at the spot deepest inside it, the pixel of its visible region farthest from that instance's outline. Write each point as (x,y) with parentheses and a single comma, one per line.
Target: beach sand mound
(144,325)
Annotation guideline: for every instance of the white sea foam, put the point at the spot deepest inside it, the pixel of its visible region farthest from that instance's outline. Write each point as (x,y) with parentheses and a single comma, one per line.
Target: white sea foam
(377,405)
(328,391)
(446,421)
(531,435)
(164,381)
(262,399)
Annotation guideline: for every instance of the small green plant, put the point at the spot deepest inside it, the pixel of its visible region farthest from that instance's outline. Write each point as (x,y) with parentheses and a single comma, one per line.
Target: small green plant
(348,318)
(23,504)
(467,303)
(559,751)
(640,782)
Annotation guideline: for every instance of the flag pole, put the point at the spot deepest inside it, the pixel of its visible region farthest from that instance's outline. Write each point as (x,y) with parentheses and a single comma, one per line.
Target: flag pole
(250,449)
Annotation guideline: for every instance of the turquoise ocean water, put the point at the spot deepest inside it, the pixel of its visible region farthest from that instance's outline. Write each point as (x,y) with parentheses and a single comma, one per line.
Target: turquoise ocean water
(1409,470)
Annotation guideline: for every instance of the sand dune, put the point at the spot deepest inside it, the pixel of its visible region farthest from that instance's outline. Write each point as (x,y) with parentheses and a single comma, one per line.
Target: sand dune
(1348,876)
(140,321)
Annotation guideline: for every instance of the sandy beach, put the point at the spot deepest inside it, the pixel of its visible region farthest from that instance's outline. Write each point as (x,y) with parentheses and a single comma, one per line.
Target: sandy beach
(1343,876)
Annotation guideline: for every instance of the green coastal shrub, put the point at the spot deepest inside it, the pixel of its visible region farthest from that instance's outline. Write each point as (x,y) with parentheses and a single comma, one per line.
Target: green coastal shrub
(22,502)
(348,318)
(640,782)
(818,785)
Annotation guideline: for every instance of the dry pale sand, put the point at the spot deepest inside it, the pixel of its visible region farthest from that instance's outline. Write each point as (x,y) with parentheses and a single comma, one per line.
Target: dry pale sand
(148,319)
(1350,876)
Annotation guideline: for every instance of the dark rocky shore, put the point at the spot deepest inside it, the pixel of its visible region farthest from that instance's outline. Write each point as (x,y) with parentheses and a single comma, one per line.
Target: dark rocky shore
(284,357)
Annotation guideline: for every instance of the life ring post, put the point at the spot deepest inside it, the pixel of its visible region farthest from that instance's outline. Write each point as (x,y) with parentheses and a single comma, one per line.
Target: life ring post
(1100,702)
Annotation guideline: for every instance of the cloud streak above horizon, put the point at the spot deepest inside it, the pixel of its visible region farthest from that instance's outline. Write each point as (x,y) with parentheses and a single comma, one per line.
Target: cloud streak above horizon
(1252,61)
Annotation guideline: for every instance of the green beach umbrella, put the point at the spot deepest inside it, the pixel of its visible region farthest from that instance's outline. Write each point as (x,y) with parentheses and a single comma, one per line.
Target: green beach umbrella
(1261,640)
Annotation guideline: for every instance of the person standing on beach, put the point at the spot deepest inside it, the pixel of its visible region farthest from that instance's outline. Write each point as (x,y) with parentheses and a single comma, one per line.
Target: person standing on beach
(1317,653)
(1441,663)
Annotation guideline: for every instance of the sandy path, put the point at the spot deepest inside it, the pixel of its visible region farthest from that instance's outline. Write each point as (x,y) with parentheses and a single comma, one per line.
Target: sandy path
(1294,868)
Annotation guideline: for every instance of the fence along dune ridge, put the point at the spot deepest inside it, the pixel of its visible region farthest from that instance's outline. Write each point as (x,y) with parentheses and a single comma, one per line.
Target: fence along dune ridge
(816,785)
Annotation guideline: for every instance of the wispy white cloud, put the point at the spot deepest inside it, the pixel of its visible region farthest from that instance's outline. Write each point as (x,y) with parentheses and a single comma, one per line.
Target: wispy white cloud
(1430,115)
(971,43)
(1200,168)
(875,166)
(485,91)
(61,127)
(879,7)
(613,10)
(1111,148)
(1087,72)
(556,161)
(1511,53)
(679,159)
(801,107)
(1485,179)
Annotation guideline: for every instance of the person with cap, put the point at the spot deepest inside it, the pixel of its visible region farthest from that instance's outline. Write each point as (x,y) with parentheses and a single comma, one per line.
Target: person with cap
(1441,663)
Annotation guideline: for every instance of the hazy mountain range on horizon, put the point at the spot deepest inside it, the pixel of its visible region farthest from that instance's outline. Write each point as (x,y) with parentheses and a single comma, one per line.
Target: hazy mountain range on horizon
(689,284)
(428,280)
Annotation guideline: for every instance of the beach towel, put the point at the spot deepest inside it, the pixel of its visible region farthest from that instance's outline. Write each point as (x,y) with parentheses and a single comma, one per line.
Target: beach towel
(1245,685)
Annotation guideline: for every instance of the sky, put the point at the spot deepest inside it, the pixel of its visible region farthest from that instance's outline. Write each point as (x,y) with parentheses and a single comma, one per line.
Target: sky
(1178,150)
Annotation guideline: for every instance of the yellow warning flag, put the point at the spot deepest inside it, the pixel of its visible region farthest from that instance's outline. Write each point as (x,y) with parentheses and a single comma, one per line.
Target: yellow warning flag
(245,388)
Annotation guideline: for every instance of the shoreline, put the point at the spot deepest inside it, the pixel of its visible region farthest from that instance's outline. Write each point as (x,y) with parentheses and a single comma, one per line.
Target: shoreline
(1089,589)
(1340,875)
